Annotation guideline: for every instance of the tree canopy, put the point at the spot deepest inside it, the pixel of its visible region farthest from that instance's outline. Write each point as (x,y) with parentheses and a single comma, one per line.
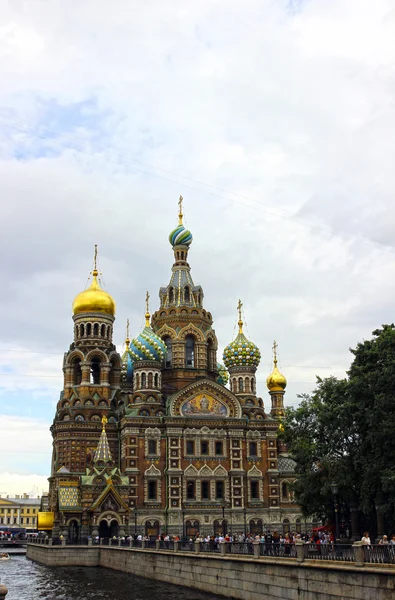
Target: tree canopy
(345,432)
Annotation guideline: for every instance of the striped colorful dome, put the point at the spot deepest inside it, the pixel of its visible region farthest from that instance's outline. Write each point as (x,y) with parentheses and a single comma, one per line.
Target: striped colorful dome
(147,346)
(241,353)
(223,375)
(180,235)
(127,366)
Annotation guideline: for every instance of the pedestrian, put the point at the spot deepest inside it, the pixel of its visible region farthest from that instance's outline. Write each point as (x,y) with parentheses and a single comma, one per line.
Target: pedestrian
(366,539)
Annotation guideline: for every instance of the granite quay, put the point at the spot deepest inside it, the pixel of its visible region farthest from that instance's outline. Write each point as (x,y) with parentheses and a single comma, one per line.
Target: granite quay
(241,571)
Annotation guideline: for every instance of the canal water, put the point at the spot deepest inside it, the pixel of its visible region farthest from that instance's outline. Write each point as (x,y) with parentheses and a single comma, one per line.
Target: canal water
(27,580)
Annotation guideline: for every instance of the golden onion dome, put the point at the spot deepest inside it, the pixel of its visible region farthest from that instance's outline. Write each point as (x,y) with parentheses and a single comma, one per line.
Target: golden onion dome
(94,299)
(276,382)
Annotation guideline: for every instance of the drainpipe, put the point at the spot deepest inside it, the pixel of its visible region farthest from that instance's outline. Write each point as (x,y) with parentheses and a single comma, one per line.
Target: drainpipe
(166,481)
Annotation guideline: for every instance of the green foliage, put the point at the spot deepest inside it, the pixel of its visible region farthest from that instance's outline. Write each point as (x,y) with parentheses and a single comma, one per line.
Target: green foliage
(345,432)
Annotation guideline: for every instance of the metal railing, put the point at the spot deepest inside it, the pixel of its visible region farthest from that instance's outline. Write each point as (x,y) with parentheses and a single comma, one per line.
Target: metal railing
(338,552)
(373,554)
(209,547)
(380,554)
(241,548)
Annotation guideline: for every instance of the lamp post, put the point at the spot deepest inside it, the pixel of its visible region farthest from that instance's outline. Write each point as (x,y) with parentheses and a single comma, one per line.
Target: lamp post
(135,522)
(335,491)
(224,524)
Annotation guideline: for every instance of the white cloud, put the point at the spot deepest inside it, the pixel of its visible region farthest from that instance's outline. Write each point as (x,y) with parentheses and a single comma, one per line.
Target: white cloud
(13,483)
(287,115)
(27,447)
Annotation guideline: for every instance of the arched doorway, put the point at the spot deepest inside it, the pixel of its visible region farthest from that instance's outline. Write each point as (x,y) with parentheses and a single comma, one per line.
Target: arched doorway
(74,531)
(286,526)
(192,528)
(220,527)
(108,529)
(256,526)
(152,529)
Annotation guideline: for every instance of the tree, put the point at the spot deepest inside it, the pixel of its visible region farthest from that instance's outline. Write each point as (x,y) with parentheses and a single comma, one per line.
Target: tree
(345,432)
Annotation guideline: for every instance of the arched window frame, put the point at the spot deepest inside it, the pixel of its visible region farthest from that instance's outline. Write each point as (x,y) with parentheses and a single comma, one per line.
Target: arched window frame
(190,352)
(95,370)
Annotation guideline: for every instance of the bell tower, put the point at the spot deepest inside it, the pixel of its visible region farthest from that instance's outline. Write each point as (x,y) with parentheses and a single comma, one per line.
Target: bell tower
(182,321)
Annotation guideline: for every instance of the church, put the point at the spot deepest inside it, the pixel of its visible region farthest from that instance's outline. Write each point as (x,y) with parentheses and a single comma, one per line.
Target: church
(164,438)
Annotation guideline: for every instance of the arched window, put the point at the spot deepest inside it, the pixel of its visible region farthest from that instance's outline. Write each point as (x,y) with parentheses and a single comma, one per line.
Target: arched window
(169,354)
(247,384)
(111,375)
(103,331)
(96,329)
(76,332)
(171,295)
(182,255)
(286,527)
(187,294)
(108,332)
(241,384)
(143,380)
(150,381)
(137,381)
(88,329)
(189,351)
(95,370)
(252,385)
(156,380)
(77,372)
(234,385)
(82,330)
(210,353)
(284,490)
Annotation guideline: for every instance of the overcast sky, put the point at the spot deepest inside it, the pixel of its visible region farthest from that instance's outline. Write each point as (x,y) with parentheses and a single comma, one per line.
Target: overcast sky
(274,119)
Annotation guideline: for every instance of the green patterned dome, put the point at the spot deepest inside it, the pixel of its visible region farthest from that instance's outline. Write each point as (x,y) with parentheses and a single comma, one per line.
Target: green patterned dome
(241,352)
(223,375)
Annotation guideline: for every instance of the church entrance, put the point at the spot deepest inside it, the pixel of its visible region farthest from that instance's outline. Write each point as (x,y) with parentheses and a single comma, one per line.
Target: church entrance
(220,527)
(192,529)
(108,530)
(74,531)
(152,529)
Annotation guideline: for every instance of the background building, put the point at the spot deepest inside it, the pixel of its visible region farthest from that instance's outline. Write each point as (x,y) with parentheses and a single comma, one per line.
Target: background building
(153,440)
(20,511)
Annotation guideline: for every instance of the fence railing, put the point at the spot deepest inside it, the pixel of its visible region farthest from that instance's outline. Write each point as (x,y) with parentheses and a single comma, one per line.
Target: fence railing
(373,554)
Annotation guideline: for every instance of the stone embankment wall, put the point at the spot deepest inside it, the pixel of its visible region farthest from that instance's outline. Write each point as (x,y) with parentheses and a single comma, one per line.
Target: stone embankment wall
(233,577)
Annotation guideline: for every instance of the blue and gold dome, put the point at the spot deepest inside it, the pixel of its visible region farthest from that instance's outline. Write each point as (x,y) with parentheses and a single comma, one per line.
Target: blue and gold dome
(180,235)
(241,352)
(223,375)
(147,345)
(127,363)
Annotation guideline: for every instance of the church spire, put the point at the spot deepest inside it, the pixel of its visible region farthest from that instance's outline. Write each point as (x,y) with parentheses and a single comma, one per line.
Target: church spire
(103,452)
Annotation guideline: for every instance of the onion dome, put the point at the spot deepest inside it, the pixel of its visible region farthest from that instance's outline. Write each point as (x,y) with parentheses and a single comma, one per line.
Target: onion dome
(276,382)
(94,299)
(180,235)
(147,345)
(241,352)
(223,375)
(127,363)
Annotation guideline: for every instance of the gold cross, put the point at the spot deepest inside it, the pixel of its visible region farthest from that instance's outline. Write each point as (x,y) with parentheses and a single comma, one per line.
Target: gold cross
(180,215)
(147,314)
(275,345)
(239,305)
(95,272)
(127,331)
(147,297)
